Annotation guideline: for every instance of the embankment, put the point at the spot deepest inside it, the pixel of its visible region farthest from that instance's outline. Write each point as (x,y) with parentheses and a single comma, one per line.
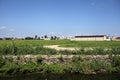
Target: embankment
(83,64)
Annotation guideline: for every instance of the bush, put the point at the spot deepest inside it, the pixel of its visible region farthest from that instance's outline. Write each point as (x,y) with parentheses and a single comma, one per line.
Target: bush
(97,65)
(10,68)
(65,52)
(77,59)
(61,59)
(29,67)
(87,67)
(116,61)
(53,68)
(1,61)
(39,59)
(115,50)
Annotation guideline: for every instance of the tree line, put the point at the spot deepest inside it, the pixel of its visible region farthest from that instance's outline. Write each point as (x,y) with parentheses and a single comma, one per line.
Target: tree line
(36,37)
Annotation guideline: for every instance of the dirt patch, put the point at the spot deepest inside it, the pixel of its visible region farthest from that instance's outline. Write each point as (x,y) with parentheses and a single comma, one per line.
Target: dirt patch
(60,48)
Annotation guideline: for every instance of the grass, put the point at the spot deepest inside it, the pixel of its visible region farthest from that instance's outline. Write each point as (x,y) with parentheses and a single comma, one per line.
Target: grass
(18,47)
(77,65)
(35,47)
(63,43)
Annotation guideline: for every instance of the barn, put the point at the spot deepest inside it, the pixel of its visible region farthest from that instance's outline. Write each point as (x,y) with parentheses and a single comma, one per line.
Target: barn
(92,38)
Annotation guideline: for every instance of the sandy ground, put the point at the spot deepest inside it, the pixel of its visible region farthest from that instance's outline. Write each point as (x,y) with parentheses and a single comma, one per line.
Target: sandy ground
(59,48)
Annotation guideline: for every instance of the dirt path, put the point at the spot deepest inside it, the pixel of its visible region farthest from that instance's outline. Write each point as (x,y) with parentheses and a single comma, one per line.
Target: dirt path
(59,48)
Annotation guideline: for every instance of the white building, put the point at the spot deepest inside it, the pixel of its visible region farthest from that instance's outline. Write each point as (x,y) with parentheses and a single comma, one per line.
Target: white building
(92,38)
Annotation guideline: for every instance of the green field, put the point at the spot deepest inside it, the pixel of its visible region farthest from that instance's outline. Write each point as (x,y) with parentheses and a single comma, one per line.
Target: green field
(16,47)
(63,43)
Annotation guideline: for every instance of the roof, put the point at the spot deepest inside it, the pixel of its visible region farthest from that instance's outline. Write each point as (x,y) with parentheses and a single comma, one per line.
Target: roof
(117,38)
(89,36)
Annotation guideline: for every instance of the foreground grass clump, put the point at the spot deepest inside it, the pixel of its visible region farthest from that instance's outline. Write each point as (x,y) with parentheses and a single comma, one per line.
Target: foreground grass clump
(116,62)
(79,65)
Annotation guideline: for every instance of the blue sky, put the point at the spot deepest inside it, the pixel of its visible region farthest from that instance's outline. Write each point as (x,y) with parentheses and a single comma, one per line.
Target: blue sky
(20,18)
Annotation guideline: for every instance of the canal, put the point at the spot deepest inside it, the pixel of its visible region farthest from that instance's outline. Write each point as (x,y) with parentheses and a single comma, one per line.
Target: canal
(39,76)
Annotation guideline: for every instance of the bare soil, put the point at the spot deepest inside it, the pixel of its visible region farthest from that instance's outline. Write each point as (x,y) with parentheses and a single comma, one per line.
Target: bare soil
(60,48)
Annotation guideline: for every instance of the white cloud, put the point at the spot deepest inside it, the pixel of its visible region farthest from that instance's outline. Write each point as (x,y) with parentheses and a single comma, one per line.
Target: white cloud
(3,27)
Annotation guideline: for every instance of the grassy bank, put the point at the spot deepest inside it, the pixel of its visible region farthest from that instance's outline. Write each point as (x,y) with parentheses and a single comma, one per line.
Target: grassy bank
(76,65)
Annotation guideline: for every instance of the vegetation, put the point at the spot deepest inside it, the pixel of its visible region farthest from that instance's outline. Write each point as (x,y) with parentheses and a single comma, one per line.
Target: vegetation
(36,47)
(63,43)
(8,65)
(77,65)
(28,49)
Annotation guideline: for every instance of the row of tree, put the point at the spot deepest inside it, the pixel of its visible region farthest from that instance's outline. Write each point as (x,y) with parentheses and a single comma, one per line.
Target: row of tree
(45,37)
(42,38)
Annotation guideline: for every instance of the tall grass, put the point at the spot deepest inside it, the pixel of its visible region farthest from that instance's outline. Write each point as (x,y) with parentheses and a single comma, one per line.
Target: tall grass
(76,65)
(63,43)
(36,47)
(28,49)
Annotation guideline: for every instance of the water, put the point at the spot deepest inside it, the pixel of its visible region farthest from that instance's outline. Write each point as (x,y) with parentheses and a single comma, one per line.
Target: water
(62,77)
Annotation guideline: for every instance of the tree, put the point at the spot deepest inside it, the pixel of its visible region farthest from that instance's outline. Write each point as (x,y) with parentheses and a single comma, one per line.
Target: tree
(52,38)
(45,36)
(28,38)
(35,37)
(42,37)
(55,37)
(38,38)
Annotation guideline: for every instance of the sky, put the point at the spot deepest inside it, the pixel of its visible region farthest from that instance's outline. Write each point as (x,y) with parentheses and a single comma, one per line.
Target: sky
(21,18)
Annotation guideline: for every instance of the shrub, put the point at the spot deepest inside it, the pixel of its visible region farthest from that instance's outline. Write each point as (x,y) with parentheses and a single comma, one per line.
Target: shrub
(10,68)
(81,51)
(97,65)
(77,59)
(116,61)
(29,67)
(1,61)
(65,52)
(42,50)
(80,67)
(115,50)
(53,68)
(61,59)
(39,59)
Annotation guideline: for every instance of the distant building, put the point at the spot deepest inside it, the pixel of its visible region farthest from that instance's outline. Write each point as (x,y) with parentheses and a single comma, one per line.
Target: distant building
(92,38)
(116,38)
(46,38)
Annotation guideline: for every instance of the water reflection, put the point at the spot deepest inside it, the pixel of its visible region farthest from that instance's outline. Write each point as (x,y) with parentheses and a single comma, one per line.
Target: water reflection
(62,77)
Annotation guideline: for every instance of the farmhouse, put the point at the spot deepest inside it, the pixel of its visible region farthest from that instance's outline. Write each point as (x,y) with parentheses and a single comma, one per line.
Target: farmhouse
(92,38)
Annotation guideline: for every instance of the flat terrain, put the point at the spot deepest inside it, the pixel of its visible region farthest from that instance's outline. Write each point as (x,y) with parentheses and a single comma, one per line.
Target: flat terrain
(17,47)
(62,43)
(56,47)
